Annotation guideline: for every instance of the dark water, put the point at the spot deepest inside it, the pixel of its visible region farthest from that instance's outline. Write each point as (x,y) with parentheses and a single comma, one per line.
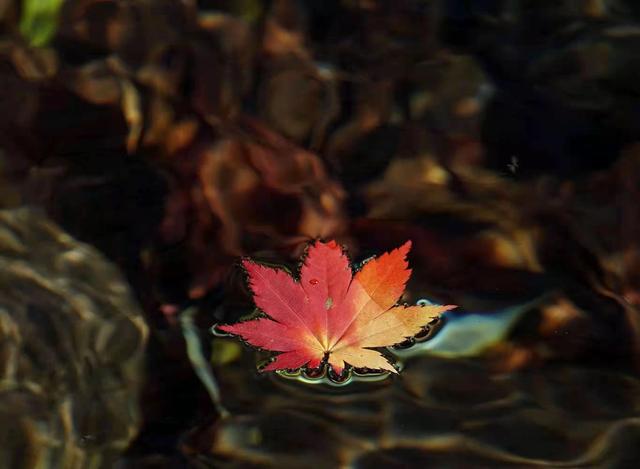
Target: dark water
(147,146)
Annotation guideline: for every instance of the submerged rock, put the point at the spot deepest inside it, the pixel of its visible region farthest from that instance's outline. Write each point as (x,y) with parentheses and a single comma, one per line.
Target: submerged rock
(71,347)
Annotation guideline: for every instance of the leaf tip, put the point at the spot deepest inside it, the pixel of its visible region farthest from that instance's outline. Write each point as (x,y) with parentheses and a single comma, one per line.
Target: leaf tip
(331,244)
(406,247)
(225,328)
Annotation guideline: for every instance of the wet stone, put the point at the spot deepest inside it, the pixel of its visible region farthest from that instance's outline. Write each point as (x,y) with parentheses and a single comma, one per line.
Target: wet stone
(71,348)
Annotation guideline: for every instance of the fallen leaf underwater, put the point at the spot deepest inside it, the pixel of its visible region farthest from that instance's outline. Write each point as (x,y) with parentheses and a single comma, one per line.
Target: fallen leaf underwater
(331,314)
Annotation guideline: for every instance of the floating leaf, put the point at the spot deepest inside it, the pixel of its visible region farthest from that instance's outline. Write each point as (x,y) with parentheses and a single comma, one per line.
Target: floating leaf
(330,314)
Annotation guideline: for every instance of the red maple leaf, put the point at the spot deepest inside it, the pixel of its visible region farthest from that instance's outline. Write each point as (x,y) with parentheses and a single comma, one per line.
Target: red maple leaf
(330,313)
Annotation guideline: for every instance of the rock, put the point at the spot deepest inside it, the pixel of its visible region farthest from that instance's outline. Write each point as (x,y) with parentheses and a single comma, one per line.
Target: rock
(71,347)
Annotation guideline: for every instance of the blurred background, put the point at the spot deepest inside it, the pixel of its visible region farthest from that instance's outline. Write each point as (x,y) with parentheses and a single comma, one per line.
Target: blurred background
(146,145)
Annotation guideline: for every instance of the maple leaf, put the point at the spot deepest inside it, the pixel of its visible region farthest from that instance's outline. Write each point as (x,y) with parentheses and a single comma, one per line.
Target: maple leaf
(329,313)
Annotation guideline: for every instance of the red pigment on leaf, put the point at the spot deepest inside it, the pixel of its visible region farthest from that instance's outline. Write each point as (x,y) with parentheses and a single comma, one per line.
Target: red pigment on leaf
(343,317)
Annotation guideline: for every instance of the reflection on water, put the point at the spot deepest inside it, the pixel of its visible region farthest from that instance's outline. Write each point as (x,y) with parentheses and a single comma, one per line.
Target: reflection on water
(443,410)
(437,413)
(467,334)
(174,137)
